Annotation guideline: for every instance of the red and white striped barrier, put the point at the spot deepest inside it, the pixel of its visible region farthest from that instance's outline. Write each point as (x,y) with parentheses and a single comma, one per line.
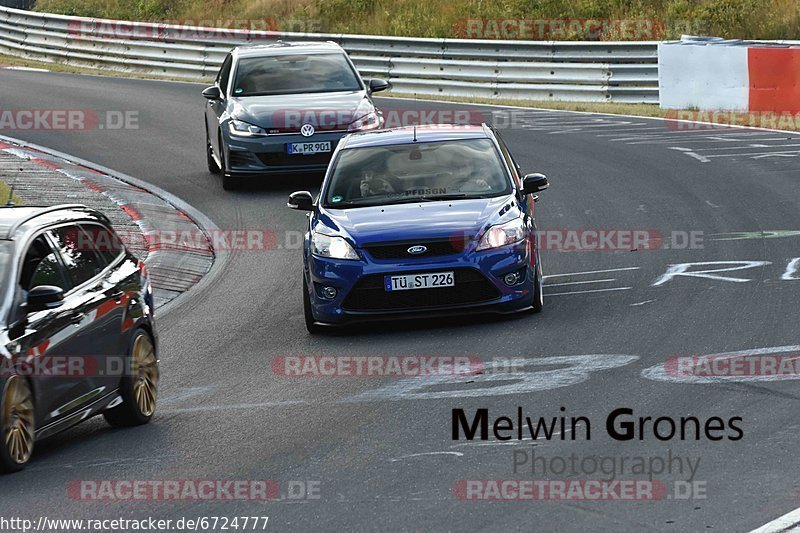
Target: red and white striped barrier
(729,75)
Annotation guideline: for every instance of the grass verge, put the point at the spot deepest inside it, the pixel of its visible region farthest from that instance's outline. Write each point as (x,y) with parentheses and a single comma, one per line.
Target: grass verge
(551,19)
(640,110)
(14,61)
(4,190)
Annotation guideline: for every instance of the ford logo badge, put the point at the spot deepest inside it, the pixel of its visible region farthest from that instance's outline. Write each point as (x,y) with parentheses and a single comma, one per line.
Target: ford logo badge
(417,250)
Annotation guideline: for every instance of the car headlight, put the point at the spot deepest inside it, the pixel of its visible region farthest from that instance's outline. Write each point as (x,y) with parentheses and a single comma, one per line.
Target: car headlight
(368,118)
(502,235)
(333,247)
(244,129)
(367,122)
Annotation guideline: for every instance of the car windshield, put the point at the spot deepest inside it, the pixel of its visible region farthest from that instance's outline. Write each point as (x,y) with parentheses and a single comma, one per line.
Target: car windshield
(291,74)
(404,173)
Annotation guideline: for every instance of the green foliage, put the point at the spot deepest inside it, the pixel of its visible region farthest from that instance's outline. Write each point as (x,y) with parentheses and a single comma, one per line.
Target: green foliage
(735,19)
(5,191)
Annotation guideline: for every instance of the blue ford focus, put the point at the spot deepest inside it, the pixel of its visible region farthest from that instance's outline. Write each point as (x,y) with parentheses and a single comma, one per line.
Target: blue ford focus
(420,221)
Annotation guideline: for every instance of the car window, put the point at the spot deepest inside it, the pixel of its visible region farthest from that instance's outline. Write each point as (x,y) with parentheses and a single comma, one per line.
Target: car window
(104,241)
(289,74)
(41,266)
(381,175)
(224,74)
(76,251)
(509,159)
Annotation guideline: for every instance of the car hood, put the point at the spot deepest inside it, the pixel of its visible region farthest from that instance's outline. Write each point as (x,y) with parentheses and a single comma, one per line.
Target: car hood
(287,113)
(425,220)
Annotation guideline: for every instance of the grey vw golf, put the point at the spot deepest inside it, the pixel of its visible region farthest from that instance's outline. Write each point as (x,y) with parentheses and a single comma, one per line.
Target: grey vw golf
(283,107)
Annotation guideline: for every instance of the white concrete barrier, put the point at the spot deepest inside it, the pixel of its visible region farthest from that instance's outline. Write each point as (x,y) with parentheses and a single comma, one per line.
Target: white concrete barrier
(702,77)
(717,75)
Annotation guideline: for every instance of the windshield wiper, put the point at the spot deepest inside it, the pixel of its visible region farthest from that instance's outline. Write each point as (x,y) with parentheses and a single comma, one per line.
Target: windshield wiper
(439,197)
(407,200)
(345,205)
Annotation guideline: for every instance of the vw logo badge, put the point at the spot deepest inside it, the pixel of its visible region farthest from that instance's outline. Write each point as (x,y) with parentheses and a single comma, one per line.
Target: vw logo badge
(307,130)
(417,250)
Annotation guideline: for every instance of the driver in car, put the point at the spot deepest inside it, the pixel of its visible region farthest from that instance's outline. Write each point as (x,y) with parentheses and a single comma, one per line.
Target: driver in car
(471,179)
(372,185)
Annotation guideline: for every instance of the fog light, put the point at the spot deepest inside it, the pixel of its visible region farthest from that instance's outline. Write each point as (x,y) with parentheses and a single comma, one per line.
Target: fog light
(329,292)
(511,278)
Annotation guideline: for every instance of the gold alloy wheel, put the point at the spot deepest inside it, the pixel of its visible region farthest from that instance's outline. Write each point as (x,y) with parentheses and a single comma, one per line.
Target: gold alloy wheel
(145,375)
(17,419)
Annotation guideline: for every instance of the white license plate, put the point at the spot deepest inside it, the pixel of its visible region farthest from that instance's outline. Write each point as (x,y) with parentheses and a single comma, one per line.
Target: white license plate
(308,148)
(431,280)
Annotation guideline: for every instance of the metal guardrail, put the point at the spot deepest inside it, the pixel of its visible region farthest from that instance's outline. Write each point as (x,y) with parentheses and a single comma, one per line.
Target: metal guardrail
(533,70)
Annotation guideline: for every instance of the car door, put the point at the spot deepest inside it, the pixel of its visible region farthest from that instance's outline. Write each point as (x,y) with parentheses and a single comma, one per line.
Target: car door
(45,346)
(216,108)
(119,286)
(94,302)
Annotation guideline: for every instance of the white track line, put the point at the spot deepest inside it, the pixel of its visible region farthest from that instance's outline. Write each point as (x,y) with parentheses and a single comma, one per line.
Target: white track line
(784,523)
(586,292)
(457,454)
(26,69)
(752,146)
(659,128)
(755,154)
(589,272)
(722,139)
(579,282)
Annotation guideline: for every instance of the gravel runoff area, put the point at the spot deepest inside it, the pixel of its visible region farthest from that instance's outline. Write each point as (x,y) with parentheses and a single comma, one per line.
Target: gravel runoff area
(176,250)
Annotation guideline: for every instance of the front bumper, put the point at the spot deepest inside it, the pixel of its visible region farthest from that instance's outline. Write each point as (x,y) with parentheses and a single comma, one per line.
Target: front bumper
(479,286)
(252,156)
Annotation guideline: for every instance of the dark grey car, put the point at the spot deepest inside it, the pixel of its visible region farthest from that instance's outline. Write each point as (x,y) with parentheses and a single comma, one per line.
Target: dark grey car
(283,107)
(77,333)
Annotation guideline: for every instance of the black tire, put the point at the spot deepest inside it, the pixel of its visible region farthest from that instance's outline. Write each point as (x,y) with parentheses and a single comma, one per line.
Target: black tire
(17,424)
(538,295)
(311,324)
(212,164)
(139,385)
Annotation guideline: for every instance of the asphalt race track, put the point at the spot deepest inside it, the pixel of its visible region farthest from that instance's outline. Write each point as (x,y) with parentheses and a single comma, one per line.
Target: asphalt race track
(382,454)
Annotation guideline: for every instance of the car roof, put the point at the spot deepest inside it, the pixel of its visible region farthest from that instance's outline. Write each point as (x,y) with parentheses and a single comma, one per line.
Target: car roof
(287,48)
(13,218)
(418,134)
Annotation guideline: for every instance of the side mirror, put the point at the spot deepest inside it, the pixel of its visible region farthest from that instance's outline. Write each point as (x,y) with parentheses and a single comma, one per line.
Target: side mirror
(301,200)
(44,297)
(533,183)
(377,85)
(212,93)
